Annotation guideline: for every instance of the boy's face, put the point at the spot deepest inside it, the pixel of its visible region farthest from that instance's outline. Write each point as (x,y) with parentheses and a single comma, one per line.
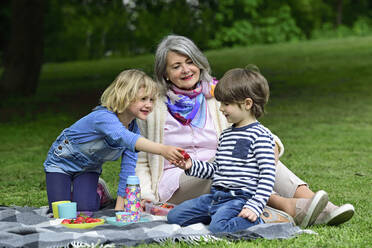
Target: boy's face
(142,106)
(237,113)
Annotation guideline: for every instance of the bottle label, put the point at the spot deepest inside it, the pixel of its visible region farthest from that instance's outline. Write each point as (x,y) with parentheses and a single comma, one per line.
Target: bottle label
(133,199)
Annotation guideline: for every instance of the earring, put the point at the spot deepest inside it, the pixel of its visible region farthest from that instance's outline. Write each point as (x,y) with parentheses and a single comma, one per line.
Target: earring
(167,79)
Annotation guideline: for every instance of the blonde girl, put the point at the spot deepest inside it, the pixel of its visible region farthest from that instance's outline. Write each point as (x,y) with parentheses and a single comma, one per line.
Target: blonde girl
(74,161)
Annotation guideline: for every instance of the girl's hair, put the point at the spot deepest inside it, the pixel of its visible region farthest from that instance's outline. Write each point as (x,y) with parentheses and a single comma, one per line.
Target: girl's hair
(124,90)
(238,84)
(181,45)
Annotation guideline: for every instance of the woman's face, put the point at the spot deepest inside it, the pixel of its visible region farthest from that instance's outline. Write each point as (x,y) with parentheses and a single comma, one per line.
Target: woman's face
(182,71)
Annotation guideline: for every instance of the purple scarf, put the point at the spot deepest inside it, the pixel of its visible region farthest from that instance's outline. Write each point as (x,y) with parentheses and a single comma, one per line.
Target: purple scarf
(189,107)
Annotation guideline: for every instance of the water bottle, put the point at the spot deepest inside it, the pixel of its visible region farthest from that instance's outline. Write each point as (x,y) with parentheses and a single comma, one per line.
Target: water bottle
(132,201)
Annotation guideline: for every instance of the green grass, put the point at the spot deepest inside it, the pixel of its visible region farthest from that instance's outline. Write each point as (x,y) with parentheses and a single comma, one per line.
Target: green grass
(320,107)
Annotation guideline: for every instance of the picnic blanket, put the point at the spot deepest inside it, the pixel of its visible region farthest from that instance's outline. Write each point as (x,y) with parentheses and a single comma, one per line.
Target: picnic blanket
(34,227)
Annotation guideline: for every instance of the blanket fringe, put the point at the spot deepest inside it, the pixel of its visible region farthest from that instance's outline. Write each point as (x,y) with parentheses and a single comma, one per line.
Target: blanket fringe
(78,244)
(195,240)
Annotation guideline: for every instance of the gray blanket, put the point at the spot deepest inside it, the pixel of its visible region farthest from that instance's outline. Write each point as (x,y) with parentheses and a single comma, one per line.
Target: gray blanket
(33,227)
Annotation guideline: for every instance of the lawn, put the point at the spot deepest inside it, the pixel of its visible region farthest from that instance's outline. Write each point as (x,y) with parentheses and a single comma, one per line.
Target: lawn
(320,107)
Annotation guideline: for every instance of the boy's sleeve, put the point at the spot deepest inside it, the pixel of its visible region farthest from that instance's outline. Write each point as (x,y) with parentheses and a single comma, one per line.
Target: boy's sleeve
(204,169)
(201,169)
(263,149)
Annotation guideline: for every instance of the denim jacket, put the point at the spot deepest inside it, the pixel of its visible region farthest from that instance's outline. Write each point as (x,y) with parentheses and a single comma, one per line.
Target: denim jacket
(94,139)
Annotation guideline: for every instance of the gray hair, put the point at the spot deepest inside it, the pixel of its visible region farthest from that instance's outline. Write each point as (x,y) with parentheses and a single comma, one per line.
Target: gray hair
(181,45)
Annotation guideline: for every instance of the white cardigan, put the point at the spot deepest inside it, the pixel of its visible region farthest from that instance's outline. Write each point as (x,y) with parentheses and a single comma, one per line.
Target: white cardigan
(150,167)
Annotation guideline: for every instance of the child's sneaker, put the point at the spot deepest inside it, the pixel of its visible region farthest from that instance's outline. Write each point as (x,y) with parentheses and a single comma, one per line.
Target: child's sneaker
(104,193)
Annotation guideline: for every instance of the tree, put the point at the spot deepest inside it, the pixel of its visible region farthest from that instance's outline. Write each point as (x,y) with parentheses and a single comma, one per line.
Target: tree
(24,54)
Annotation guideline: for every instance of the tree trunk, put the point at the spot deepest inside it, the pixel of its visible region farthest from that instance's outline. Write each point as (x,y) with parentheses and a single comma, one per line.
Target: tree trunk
(339,13)
(24,54)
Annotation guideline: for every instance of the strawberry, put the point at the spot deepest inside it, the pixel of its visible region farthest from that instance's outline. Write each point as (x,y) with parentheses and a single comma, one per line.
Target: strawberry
(185,155)
(66,221)
(89,220)
(165,205)
(80,219)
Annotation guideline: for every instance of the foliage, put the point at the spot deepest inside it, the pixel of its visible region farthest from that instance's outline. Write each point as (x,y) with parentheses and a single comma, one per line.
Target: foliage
(86,30)
(267,27)
(361,27)
(310,14)
(320,106)
(97,29)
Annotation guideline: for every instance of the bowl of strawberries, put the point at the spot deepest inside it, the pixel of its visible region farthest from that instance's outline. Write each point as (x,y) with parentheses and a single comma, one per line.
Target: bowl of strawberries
(161,208)
(82,222)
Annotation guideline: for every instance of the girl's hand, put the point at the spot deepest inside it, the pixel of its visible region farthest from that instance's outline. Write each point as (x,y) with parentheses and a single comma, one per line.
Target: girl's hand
(248,214)
(172,153)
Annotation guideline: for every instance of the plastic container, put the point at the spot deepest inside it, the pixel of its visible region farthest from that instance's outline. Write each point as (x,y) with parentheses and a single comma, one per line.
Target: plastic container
(55,208)
(161,209)
(123,217)
(67,210)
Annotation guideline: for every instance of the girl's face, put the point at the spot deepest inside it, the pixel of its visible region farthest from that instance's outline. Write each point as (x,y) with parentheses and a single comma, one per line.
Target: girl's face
(141,107)
(182,71)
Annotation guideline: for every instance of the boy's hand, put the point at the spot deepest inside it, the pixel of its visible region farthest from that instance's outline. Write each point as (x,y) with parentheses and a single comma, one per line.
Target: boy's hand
(172,153)
(248,214)
(183,164)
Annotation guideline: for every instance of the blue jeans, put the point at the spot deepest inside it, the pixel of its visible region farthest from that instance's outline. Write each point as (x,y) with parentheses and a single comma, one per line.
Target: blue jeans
(219,209)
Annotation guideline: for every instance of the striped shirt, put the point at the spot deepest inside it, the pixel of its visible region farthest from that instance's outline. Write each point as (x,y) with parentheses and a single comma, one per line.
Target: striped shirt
(245,161)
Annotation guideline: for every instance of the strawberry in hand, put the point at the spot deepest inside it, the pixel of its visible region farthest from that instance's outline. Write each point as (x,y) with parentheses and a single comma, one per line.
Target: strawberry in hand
(185,163)
(185,155)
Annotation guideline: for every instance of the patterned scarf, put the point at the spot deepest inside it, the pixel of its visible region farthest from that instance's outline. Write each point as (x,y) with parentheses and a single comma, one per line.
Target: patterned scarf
(189,107)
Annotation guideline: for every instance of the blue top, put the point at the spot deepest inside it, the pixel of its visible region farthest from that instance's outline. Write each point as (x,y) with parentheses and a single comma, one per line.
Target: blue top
(94,139)
(245,161)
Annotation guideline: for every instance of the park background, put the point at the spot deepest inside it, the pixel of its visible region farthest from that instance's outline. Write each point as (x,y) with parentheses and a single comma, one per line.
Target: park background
(57,57)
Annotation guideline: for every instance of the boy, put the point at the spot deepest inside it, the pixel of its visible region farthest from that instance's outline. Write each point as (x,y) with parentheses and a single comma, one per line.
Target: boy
(243,172)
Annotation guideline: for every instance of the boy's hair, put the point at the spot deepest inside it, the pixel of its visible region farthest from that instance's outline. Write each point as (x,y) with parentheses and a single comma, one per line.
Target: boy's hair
(124,90)
(238,84)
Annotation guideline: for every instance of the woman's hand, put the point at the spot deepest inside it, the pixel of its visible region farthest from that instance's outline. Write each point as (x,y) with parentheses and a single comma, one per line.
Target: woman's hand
(248,214)
(143,204)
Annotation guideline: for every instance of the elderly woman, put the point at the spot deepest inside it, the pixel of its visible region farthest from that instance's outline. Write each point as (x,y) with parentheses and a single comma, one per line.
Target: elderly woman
(188,116)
